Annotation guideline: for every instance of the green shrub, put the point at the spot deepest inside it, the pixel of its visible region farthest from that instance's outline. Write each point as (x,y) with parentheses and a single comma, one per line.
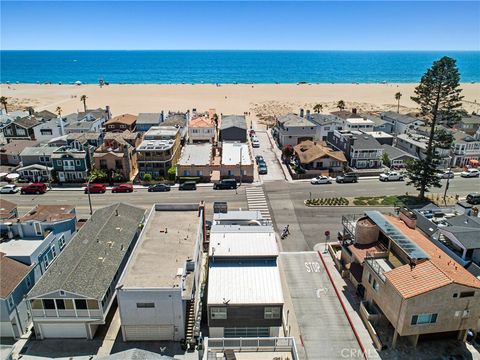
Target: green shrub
(147,177)
(172,173)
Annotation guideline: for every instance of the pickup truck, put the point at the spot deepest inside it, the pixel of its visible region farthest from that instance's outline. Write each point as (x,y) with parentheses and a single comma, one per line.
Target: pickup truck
(391,176)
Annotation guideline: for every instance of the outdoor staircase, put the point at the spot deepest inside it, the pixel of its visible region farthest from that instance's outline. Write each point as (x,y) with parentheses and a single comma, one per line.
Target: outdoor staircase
(190,320)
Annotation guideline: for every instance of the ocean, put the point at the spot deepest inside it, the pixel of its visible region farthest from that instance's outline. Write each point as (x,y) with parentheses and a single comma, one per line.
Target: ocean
(165,67)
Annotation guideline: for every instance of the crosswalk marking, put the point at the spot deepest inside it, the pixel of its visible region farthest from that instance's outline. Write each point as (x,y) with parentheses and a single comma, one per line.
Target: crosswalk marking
(257,201)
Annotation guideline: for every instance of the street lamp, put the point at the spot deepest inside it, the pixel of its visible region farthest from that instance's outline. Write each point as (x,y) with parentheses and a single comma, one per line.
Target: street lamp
(89,180)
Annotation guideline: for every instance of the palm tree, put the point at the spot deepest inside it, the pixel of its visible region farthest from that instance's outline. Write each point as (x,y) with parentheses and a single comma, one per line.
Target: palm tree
(58,110)
(318,108)
(341,104)
(3,101)
(83,99)
(398,95)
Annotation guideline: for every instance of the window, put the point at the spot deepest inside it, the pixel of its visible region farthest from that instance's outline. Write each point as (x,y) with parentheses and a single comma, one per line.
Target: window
(424,319)
(60,304)
(103,164)
(46,131)
(375,285)
(369,278)
(145,305)
(48,304)
(111,126)
(36,304)
(78,163)
(59,162)
(118,164)
(218,313)
(123,126)
(11,304)
(62,293)
(61,242)
(54,251)
(8,131)
(92,304)
(28,282)
(21,132)
(81,304)
(272,313)
(467,294)
(199,173)
(38,228)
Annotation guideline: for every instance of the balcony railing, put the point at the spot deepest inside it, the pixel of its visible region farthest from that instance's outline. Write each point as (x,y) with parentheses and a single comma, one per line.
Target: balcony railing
(269,344)
(365,155)
(375,266)
(51,313)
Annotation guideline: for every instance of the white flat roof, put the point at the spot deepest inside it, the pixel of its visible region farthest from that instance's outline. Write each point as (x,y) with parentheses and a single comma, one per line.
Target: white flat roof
(196,154)
(239,284)
(20,247)
(231,153)
(359,121)
(167,241)
(380,134)
(245,244)
(238,215)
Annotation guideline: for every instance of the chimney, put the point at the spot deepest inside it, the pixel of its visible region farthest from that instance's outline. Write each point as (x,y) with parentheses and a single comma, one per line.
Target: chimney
(308,114)
(301,113)
(116,212)
(161,116)
(354,110)
(62,131)
(107,111)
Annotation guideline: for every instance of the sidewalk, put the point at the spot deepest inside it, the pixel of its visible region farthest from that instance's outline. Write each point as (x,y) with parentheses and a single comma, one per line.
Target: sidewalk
(278,154)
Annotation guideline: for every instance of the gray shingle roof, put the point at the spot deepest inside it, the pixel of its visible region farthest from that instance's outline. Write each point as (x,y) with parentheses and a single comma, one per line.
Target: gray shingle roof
(294,120)
(366,142)
(89,262)
(404,119)
(38,150)
(27,122)
(136,354)
(324,119)
(395,153)
(229,121)
(149,118)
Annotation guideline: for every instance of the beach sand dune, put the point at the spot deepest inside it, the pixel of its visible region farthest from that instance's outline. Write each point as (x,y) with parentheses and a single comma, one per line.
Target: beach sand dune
(262,99)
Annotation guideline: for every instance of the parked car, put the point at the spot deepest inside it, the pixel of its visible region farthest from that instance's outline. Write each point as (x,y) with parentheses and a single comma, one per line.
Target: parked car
(470,173)
(391,176)
(251,133)
(348,177)
(255,142)
(225,184)
(95,189)
(262,169)
(262,163)
(321,180)
(446,174)
(188,185)
(473,198)
(158,188)
(34,188)
(123,188)
(9,189)
(259,158)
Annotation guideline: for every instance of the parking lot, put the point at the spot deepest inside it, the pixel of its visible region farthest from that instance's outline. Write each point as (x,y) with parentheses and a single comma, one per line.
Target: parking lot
(266,150)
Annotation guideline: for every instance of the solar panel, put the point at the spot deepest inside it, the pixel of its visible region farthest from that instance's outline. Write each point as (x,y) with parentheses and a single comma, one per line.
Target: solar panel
(403,241)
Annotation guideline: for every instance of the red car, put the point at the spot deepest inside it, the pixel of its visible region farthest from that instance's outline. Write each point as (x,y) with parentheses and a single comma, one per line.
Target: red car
(34,188)
(95,189)
(251,132)
(123,188)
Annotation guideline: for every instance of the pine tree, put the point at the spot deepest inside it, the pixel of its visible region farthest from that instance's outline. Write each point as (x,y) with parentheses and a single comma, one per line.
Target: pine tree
(438,96)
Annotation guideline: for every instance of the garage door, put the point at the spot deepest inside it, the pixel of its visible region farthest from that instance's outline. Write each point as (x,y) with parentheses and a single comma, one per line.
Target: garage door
(64,331)
(148,332)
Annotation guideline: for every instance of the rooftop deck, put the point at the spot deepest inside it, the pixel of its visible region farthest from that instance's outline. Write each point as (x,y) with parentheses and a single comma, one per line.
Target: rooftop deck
(167,241)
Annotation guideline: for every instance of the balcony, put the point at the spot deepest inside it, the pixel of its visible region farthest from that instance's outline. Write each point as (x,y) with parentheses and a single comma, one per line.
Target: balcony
(53,313)
(369,156)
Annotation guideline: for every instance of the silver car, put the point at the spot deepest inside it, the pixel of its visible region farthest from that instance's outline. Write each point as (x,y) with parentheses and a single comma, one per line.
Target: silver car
(9,189)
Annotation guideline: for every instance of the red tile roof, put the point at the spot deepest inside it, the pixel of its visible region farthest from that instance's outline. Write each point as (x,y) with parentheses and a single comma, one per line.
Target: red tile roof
(201,122)
(49,213)
(127,119)
(429,274)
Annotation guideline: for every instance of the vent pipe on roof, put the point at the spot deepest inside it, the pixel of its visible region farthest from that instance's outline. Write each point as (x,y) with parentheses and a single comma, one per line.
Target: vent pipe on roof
(301,113)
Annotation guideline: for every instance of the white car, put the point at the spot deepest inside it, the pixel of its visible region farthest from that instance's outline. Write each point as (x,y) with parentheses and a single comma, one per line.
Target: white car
(9,189)
(391,176)
(446,174)
(321,180)
(470,173)
(255,142)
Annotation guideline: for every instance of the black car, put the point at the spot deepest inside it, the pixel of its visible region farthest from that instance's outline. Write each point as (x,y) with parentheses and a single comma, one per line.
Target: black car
(188,185)
(473,198)
(158,188)
(347,178)
(259,159)
(225,184)
(262,169)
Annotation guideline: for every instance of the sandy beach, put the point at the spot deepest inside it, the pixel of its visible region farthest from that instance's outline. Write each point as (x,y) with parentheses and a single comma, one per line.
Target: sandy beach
(262,100)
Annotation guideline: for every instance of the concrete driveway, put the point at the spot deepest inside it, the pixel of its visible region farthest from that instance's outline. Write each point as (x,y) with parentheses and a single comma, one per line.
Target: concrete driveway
(274,170)
(323,325)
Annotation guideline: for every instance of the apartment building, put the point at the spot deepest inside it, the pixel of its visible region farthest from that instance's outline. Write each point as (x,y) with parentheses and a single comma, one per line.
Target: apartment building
(407,279)
(400,123)
(416,145)
(159,150)
(466,148)
(121,123)
(292,129)
(245,297)
(75,294)
(159,292)
(196,160)
(236,161)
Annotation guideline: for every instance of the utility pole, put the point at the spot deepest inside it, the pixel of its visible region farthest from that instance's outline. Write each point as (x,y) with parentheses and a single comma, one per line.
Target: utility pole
(241,174)
(88,192)
(46,168)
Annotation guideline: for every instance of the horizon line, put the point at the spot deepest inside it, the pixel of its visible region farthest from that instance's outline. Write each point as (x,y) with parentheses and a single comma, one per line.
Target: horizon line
(319,50)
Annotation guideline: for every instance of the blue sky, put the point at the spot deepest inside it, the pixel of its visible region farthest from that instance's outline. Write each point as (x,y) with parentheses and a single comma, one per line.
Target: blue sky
(338,25)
